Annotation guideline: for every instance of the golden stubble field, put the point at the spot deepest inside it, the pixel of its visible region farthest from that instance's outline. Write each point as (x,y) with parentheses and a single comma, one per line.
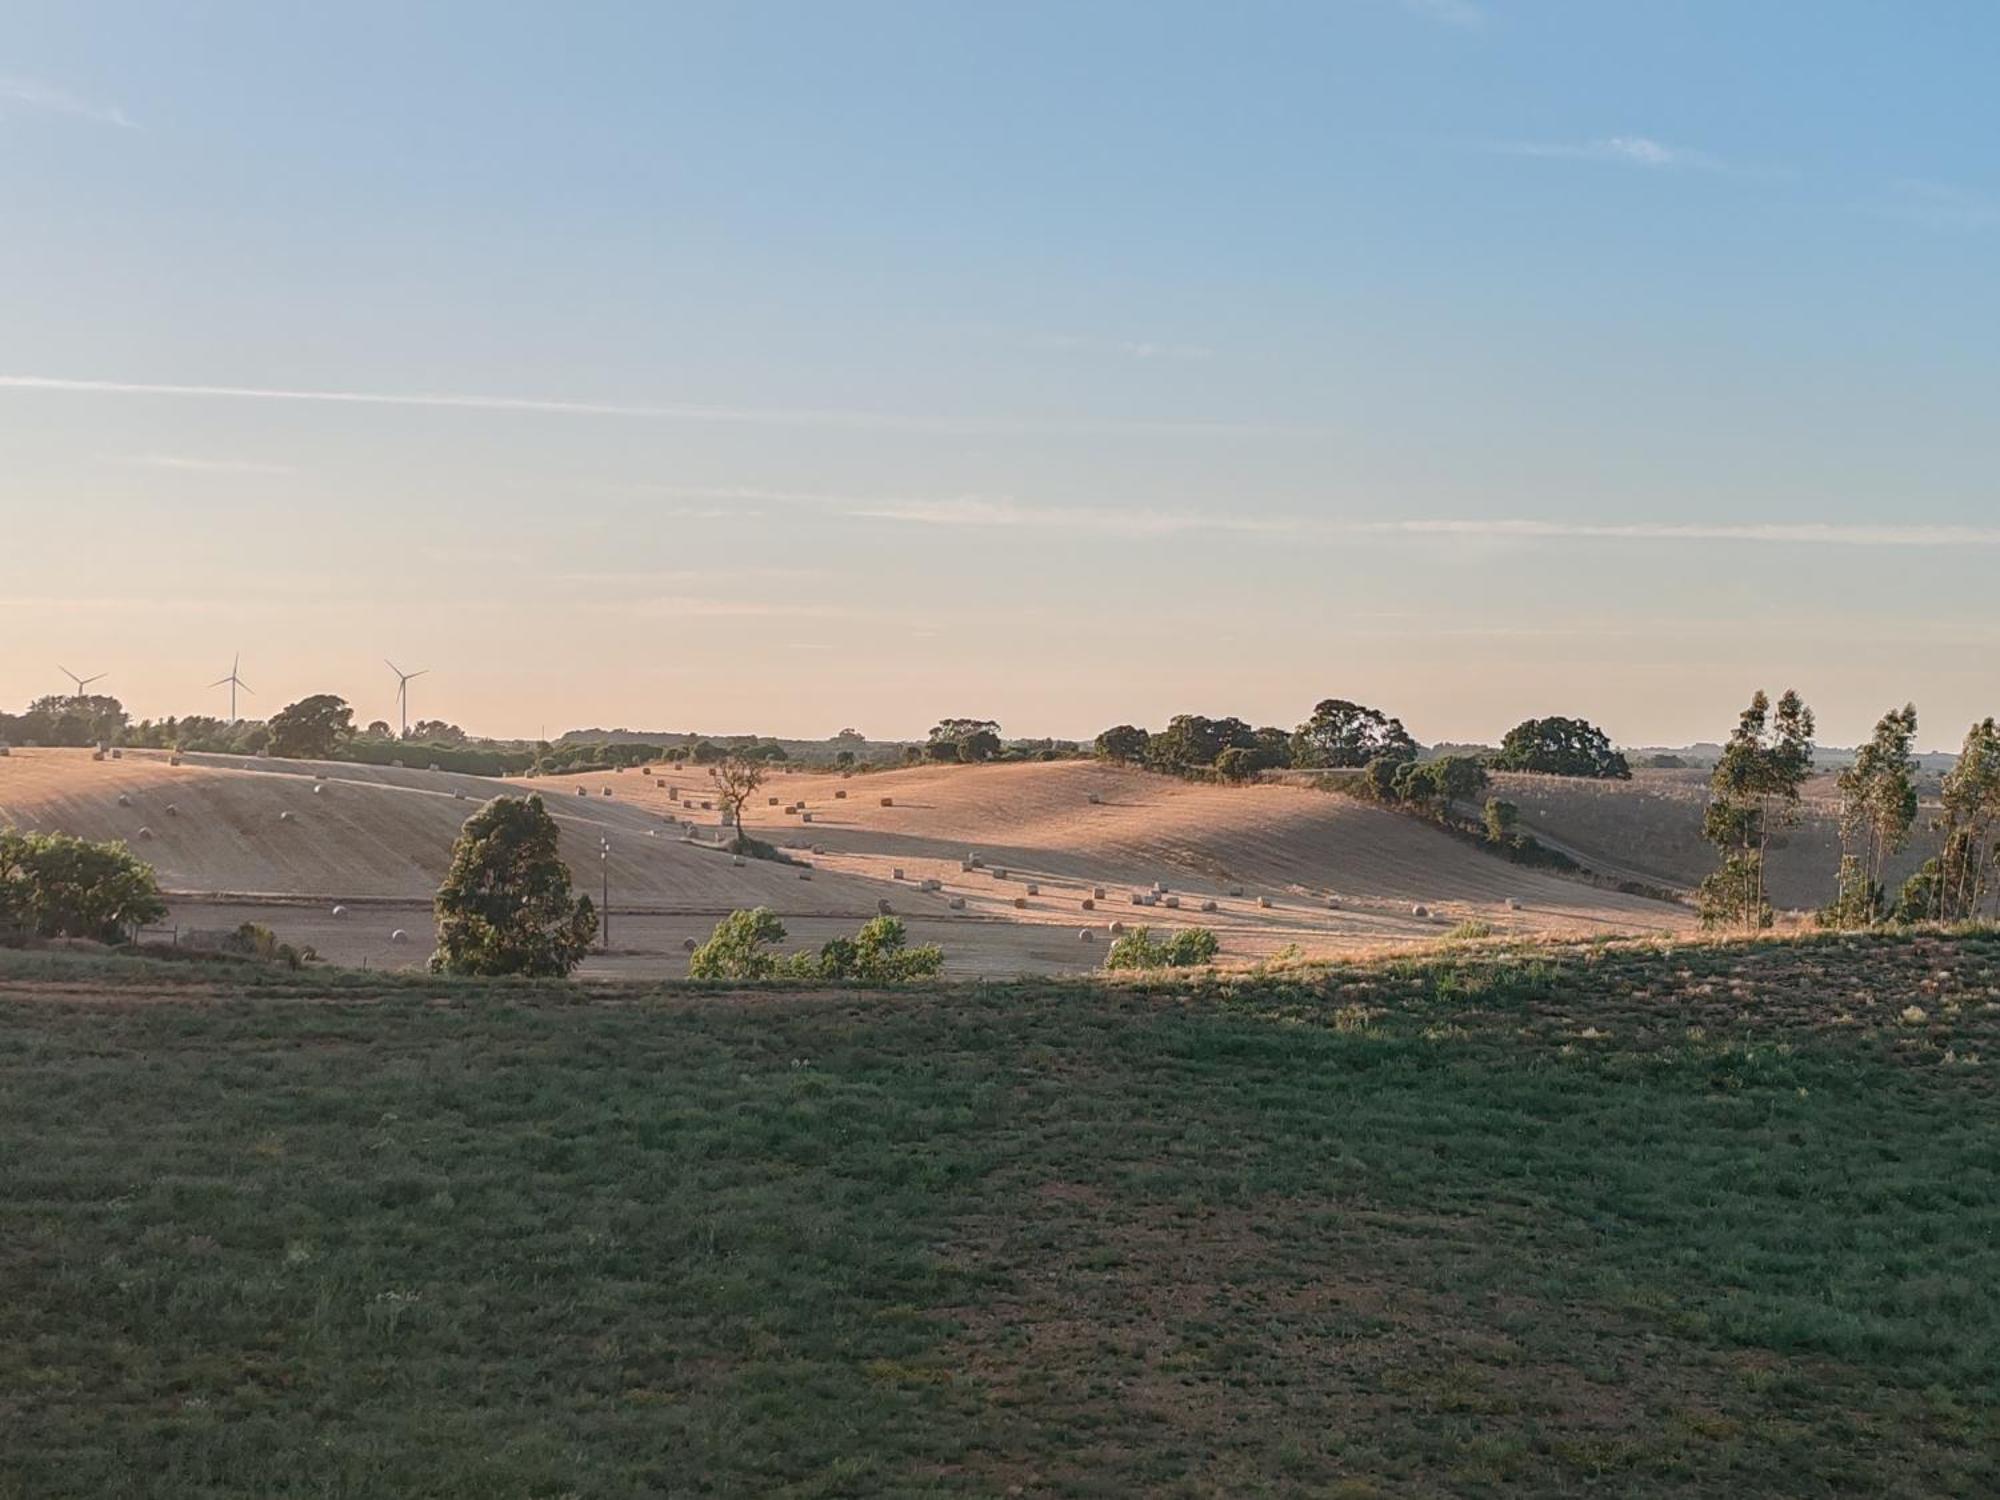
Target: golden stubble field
(284,842)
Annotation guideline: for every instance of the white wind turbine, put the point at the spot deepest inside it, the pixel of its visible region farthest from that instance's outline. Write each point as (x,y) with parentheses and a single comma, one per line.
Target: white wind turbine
(234,682)
(403,681)
(81,682)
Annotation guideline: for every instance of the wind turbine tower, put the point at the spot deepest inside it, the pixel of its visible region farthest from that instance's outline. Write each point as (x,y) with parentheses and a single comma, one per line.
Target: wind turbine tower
(234,683)
(403,681)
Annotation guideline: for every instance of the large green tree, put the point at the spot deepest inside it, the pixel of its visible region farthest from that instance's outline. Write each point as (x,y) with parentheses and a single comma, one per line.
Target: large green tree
(1953,884)
(54,885)
(1754,790)
(1557,746)
(506,906)
(1341,734)
(1123,743)
(1878,807)
(313,728)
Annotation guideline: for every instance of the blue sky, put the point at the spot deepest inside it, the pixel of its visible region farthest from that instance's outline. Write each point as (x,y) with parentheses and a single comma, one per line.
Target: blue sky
(790,366)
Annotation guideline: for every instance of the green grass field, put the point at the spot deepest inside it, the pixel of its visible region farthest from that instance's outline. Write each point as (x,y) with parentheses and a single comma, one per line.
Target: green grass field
(1620,1221)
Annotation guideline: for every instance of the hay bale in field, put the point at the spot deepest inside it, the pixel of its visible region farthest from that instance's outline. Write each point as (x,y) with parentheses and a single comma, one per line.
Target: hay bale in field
(956,903)
(1020,902)
(965,865)
(1138,898)
(1172,903)
(974,862)
(1086,936)
(1095,800)
(1088,904)
(319,789)
(1097,892)
(805,874)
(1420,910)
(1236,890)
(1264,901)
(1208,906)
(736,860)
(457,795)
(896,873)
(172,760)
(932,885)
(145,834)
(1117,929)
(888,801)
(583,791)
(97,755)
(285,816)
(819,848)
(1513,903)
(5,750)
(804,817)
(1033,889)
(117,754)
(607,792)
(660,782)
(688,945)
(883,908)
(399,936)
(1159,888)
(340,911)
(397,764)
(1000,873)
(1333,903)
(173,810)
(840,795)
(123,800)
(770,801)
(434,766)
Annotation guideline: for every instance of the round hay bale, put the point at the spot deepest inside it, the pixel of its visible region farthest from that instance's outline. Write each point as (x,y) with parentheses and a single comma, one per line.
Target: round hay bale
(956,903)
(434,766)
(688,945)
(883,908)
(583,791)
(1086,936)
(1095,800)
(770,801)
(1208,906)
(1264,901)
(397,764)
(888,801)
(319,789)
(1333,903)
(1000,874)
(172,760)
(123,800)
(340,911)
(1088,904)
(1236,890)
(1138,898)
(736,860)
(1020,903)
(607,791)
(1117,929)
(841,795)
(4,750)
(285,816)
(1420,910)
(117,754)
(803,817)
(933,885)
(1033,889)
(97,755)
(145,834)
(399,936)
(965,865)
(805,874)
(457,795)
(1159,888)
(974,862)
(819,848)
(1097,892)
(660,784)
(173,810)
(896,873)
(1513,903)
(1172,903)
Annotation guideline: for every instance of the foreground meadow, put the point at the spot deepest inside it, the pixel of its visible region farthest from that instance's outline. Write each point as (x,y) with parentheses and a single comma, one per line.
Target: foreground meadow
(1642,1221)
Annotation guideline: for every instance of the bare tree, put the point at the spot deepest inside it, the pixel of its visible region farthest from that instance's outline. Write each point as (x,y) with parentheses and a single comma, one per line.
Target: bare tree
(736,782)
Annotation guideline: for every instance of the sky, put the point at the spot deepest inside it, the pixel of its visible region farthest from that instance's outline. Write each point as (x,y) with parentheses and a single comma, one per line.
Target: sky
(788,367)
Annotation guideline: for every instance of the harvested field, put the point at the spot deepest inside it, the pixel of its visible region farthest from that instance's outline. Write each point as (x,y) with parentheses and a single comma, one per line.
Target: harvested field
(377,839)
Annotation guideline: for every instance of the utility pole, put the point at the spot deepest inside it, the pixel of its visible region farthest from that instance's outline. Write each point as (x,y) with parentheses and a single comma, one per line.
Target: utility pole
(604,911)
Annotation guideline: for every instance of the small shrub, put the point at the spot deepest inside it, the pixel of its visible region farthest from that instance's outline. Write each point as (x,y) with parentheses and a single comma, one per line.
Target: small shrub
(1189,948)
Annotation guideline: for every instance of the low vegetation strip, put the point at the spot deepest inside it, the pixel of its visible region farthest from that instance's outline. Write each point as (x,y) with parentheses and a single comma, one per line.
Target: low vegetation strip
(1706,1219)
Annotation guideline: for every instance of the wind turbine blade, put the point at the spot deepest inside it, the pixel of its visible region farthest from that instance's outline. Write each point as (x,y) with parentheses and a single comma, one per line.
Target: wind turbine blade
(246,687)
(425,673)
(223,681)
(392,666)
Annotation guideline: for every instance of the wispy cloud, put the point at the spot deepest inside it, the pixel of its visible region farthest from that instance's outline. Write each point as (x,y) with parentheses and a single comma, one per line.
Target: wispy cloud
(32,93)
(1136,522)
(670,411)
(1618,150)
(193,465)
(1461,13)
